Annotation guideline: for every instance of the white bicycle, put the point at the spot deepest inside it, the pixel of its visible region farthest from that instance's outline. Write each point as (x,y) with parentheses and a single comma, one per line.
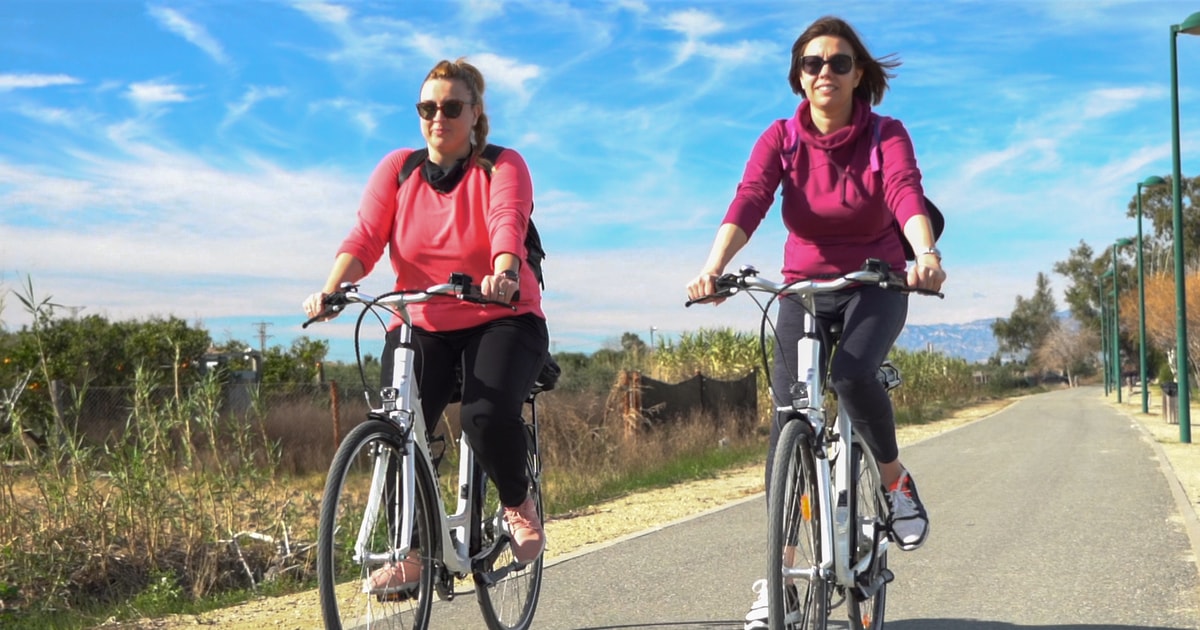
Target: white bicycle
(828,534)
(383,505)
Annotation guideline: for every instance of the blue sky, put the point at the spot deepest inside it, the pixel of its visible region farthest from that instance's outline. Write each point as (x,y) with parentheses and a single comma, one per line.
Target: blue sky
(205,159)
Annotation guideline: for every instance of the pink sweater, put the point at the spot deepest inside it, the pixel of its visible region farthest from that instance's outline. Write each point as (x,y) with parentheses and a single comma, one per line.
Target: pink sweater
(430,235)
(838,205)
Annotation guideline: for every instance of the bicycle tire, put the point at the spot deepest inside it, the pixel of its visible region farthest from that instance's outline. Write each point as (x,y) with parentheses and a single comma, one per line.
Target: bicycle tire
(794,517)
(346,600)
(868,598)
(507,593)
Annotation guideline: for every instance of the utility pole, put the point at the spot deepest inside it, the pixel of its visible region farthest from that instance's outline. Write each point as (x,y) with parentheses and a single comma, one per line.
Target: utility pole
(262,337)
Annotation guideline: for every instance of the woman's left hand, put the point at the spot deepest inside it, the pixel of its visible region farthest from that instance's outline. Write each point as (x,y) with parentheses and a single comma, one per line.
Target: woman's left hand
(926,274)
(499,288)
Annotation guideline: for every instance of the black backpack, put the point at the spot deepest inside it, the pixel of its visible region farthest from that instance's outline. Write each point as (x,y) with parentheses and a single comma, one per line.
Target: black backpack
(533,242)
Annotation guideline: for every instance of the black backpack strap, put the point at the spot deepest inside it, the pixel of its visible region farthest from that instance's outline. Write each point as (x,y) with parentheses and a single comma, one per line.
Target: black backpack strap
(491,153)
(411,162)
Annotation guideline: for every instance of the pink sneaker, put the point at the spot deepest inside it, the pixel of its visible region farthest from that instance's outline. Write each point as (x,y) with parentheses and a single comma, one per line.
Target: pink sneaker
(528,537)
(397,579)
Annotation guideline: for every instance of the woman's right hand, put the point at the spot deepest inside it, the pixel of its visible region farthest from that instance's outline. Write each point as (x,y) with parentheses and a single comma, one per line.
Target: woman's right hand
(703,286)
(314,304)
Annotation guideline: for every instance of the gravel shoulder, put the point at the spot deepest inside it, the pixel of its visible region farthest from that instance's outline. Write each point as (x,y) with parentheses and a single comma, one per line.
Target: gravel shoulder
(626,516)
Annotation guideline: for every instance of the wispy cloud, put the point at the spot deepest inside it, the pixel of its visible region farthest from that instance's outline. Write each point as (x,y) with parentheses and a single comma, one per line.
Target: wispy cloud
(479,11)
(31,81)
(151,93)
(194,33)
(507,73)
(255,94)
(326,12)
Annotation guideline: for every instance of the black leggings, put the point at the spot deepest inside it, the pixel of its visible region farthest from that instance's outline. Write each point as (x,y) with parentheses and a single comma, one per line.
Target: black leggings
(501,361)
(872,318)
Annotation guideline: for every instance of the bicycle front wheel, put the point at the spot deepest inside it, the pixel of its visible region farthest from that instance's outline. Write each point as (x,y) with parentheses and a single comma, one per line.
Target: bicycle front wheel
(868,542)
(363,578)
(798,596)
(506,590)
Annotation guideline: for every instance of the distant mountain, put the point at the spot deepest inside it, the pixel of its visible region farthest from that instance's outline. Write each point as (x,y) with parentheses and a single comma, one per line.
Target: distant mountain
(972,341)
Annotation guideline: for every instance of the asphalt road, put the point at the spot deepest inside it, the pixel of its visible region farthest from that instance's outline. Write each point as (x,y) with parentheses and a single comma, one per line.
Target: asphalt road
(1054,513)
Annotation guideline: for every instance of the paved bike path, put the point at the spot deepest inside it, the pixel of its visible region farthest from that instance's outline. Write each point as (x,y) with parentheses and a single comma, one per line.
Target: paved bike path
(1053,513)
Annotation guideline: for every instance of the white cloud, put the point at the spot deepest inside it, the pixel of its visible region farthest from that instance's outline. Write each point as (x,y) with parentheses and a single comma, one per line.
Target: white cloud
(149,93)
(479,11)
(205,241)
(54,116)
(195,34)
(506,73)
(693,23)
(324,11)
(28,81)
(250,98)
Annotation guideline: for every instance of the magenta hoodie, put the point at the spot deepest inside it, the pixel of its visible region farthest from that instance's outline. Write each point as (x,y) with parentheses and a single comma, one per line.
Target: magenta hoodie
(839,201)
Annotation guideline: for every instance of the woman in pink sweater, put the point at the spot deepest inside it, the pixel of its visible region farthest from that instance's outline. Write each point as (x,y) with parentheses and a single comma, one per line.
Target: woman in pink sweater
(848,176)
(457,213)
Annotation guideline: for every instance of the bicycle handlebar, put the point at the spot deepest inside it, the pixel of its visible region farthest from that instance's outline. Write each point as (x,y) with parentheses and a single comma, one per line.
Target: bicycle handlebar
(460,286)
(873,272)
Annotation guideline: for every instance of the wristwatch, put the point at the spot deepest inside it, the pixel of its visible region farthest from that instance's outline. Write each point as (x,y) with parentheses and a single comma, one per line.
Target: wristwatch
(933,251)
(511,275)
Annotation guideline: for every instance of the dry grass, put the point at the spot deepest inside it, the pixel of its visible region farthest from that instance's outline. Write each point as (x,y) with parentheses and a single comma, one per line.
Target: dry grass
(188,502)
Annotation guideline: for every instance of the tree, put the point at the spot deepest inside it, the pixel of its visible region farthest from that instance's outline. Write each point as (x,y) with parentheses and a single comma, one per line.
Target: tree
(1161,326)
(1158,214)
(1031,321)
(299,364)
(1082,294)
(1070,349)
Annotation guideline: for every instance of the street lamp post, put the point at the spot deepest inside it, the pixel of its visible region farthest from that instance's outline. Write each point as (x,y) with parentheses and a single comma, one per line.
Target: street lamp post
(1153,180)
(1116,316)
(1104,333)
(1190,26)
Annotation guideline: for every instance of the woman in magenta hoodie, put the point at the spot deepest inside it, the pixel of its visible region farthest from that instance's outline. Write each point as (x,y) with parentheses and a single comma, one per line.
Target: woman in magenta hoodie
(848,177)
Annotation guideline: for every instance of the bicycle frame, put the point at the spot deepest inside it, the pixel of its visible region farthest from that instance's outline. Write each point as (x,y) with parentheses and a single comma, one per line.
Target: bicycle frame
(833,470)
(402,406)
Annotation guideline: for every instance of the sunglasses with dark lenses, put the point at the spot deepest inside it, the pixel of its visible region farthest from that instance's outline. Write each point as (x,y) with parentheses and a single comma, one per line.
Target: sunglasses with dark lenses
(840,64)
(452,108)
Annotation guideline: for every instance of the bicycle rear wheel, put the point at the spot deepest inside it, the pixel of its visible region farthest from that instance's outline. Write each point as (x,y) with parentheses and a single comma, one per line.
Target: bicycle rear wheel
(361,505)
(869,542)
(507,592)
(799,599)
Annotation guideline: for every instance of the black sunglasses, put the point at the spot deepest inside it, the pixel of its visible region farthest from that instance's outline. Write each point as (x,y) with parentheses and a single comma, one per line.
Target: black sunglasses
(840,64)
(452,108)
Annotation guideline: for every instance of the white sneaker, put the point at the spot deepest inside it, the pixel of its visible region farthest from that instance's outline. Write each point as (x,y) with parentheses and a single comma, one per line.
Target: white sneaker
(908,520)
(756,619)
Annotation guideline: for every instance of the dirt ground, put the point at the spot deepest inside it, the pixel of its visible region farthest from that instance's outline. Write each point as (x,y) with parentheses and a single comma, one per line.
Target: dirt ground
(605,522)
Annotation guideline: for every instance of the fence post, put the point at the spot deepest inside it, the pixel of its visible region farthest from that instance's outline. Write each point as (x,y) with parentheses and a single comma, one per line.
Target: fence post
(628,413)
(333,409)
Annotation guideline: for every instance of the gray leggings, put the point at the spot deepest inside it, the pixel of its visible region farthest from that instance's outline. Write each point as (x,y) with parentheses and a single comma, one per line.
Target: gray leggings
(871,319)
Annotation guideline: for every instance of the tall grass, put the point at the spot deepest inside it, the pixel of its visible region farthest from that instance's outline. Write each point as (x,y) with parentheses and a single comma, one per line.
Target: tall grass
(165,508)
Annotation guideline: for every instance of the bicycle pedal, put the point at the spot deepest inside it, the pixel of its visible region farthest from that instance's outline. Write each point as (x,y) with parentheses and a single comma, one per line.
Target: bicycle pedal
(867,588)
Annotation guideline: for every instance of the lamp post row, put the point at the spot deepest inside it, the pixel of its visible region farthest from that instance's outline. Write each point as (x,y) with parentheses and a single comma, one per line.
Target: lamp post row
(1190,26)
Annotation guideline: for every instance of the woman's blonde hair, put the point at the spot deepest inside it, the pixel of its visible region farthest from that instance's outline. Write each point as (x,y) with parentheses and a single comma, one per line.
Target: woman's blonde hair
(470,76)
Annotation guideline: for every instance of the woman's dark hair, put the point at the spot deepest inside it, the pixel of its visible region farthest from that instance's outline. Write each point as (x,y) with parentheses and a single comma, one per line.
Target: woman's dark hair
(875,71)
(470,76)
